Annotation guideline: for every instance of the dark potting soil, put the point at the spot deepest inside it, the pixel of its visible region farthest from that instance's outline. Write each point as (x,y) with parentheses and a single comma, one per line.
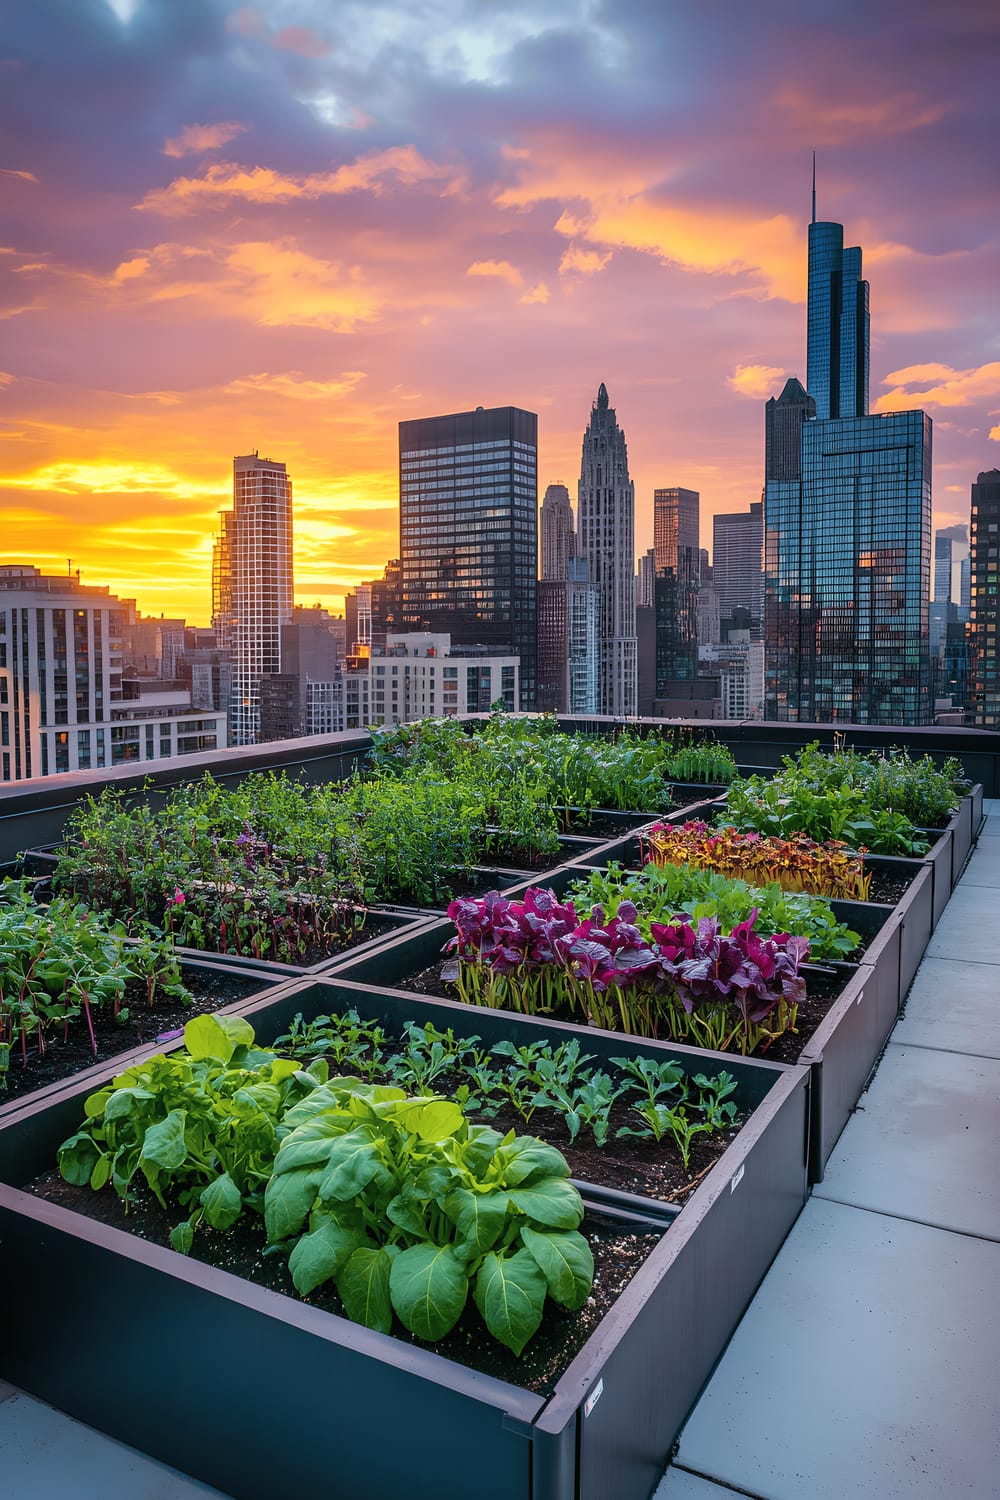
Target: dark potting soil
(822,991)
(887,887)
(145,1023)
(618,1251)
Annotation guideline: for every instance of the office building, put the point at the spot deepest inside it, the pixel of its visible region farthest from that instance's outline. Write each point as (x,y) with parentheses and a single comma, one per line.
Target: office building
(644,578)
(552,686)
(675,525)
(677,559)
(468,515)
(984,560)
(847,533)
(738,563)
(252,585)
(557,533)
(606,543)
(64,703)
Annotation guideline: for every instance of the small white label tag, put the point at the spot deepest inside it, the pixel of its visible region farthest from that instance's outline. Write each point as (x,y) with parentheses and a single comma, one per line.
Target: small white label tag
(860,998)
(594,1397)
(737,1178)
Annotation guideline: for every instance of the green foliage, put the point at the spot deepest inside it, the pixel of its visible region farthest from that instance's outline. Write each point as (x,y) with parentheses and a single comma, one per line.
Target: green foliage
(201,1124)
(869,800)
(661,893)
(60,963)
(571,771)
(405,1206)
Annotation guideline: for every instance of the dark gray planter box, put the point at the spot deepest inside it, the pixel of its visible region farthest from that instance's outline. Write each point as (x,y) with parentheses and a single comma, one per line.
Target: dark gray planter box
(963,832)
(842,1052)
(939,857)
(978,815)
(915,910)
(220,1361)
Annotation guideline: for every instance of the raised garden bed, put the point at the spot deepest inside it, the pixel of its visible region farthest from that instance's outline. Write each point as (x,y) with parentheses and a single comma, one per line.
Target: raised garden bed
(605,1426)
(212,986)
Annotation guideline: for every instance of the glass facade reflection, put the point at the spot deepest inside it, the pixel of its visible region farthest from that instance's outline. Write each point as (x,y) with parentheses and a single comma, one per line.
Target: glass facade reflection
(847,575)
(838,325)
(468,512)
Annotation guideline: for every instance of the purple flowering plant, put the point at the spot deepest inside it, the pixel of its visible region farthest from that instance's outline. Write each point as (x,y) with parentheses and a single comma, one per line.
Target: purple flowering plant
(690,983)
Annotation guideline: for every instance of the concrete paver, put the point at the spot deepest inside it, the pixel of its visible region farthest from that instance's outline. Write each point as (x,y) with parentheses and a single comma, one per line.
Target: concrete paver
(923,1143)
(862,1368)
(954,1006)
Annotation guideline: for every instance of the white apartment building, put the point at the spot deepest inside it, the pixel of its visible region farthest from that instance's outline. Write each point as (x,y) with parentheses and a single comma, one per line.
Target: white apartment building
(63,706)
(420,676)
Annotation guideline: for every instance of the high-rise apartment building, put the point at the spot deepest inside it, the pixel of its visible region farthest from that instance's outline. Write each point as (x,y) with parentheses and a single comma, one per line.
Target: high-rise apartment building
(252,584)
(738,563)
(984,558)
(64,705)
(468,518)
(645,578)
(558,532)
(606,542)
(847,536)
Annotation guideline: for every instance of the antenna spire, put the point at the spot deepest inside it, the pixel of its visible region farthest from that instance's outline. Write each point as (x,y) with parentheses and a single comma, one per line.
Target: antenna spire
(814,188)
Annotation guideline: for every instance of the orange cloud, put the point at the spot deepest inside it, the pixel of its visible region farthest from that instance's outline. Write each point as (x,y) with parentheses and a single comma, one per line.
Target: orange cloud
(758,381)
(587,262)
(295,386)
(831,123)
(941,385)
(500,268)
(195,138)
(995,434)
(619,201)
(225,182)
(539,293)
(15,172)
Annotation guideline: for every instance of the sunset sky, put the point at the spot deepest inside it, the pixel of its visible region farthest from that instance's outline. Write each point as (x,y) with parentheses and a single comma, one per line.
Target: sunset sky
(287,226)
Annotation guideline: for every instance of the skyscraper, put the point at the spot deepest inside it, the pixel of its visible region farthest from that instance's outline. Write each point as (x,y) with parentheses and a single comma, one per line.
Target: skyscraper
(847,536)
(558,533)
(675,524)
(737,563)
(468,521)
(606,542)
(984,554)
(252,584)
(677,559)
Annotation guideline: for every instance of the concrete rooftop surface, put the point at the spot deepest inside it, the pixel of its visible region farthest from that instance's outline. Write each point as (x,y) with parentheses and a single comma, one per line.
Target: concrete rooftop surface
(867,1364)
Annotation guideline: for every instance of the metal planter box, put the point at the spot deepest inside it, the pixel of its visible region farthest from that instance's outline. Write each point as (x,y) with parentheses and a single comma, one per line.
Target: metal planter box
(220,1361)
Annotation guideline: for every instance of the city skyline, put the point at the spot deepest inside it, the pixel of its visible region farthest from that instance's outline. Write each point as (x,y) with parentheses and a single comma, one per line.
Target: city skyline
(287,229)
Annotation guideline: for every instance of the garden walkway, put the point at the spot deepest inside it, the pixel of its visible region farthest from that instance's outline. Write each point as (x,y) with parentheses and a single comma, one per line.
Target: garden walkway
(867,1364)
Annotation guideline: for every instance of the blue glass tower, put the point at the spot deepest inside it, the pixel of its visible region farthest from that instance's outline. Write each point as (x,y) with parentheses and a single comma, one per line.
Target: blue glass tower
(847,524)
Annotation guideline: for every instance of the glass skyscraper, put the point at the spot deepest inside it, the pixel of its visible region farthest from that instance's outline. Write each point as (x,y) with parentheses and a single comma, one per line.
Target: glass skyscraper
(847,525)
(468,520)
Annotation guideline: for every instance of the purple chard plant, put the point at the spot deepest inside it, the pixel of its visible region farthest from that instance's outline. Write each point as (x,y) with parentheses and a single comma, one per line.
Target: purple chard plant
(690,983)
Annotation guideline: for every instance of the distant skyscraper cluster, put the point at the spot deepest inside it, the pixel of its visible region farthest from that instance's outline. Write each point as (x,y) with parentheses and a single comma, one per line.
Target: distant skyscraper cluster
(816,605)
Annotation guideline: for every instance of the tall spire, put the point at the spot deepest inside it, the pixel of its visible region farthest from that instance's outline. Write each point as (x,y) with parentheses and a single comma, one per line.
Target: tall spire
(602,397)
(814,188)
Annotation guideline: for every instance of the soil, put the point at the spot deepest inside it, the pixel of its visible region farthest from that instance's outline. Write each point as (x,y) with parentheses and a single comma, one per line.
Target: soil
(64,1057)
(619,1251)
(888,888)
(823,989)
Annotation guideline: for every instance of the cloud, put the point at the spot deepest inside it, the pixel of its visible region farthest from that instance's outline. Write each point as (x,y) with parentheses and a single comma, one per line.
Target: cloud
(758,381)
(106,477)
(586,262)
(15,172)
(834,122)
(499,268)
(290,287)
(224,183)
(539,293)
(294,385)
(995,433)
(195,138)
(946,387)
(301,40)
